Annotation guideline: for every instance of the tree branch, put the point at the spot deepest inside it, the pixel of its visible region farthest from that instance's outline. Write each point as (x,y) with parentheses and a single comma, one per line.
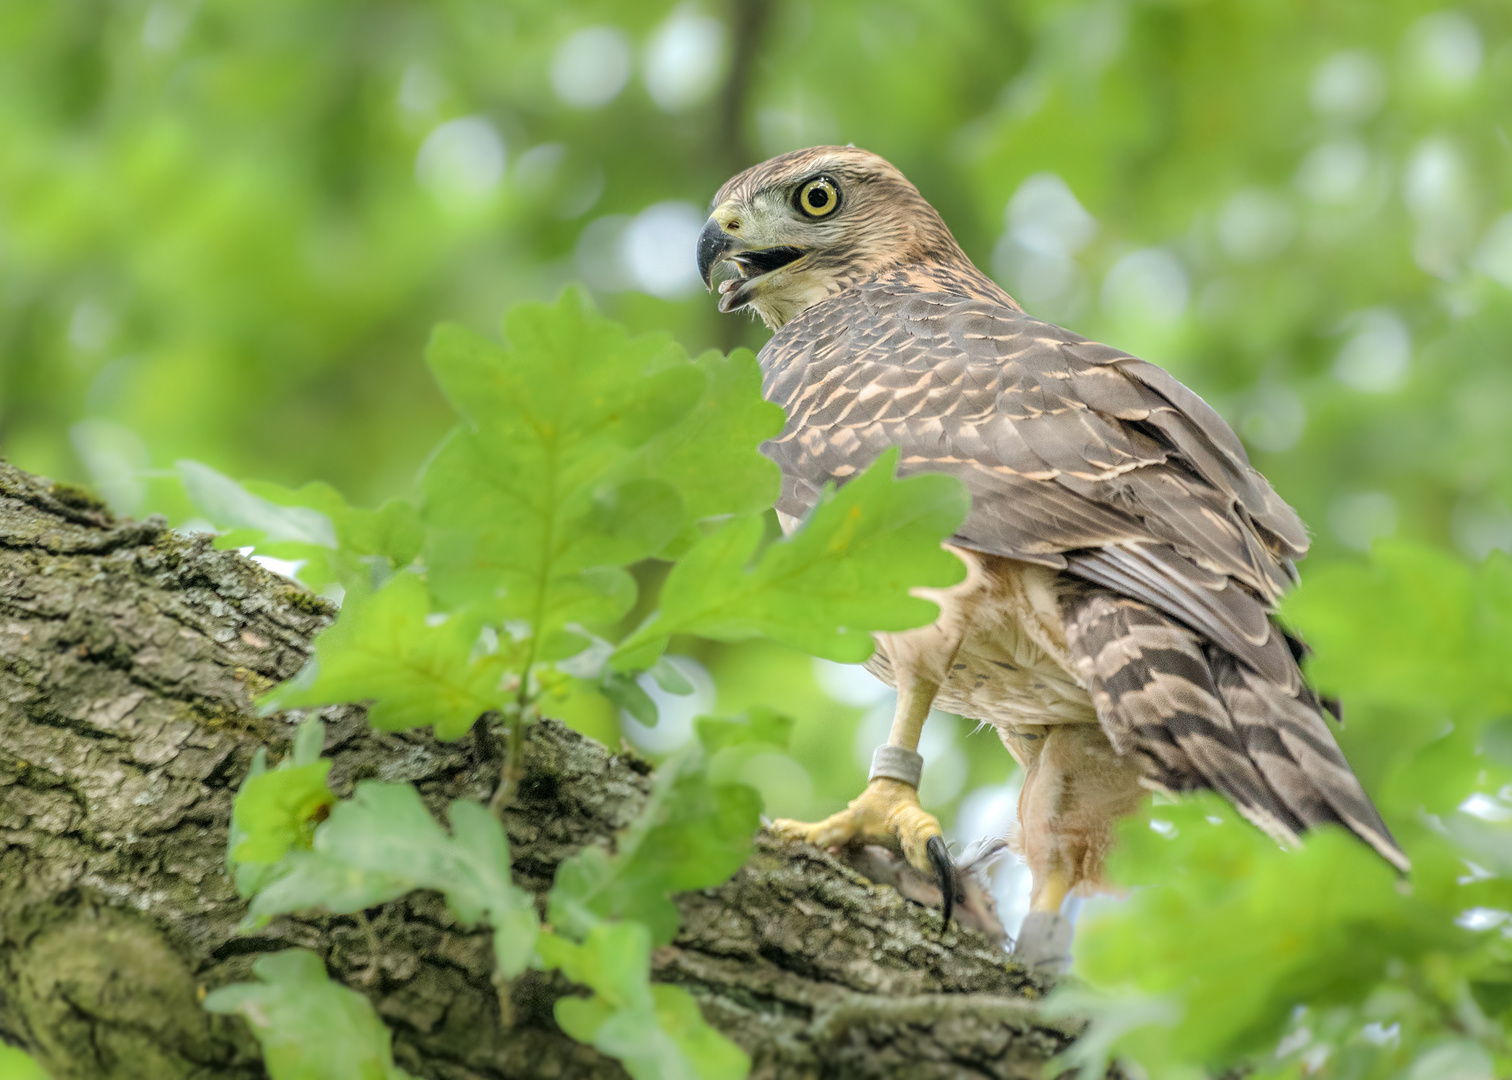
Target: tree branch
(129,659)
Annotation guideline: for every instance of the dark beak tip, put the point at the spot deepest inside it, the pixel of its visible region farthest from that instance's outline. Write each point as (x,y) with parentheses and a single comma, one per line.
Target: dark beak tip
(713,242)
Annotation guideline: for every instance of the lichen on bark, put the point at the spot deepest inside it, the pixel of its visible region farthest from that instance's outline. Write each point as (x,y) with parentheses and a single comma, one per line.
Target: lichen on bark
(129,659)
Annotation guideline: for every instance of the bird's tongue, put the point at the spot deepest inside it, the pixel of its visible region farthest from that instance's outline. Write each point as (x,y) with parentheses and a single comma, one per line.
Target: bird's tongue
(733,294)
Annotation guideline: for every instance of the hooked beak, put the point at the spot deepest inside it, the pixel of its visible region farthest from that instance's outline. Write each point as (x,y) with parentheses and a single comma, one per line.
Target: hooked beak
(715,246)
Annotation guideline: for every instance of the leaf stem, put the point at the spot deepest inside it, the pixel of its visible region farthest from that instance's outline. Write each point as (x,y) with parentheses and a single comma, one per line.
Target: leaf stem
(506,1006)
(369,976)
(514,750)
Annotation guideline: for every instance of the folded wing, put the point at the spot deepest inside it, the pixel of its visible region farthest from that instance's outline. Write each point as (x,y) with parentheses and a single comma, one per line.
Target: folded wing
(1086,459)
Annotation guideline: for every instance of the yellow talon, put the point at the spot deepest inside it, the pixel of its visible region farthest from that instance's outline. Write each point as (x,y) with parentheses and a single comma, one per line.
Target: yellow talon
(888,811)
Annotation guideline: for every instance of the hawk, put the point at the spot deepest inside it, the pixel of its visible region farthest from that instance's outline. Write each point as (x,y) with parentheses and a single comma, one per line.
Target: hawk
(1116,624)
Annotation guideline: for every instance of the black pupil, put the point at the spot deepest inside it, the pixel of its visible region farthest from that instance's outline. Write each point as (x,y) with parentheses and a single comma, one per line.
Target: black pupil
(818,198)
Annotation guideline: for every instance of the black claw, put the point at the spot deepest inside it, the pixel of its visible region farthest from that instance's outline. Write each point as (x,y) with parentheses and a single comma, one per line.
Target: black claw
(945,873)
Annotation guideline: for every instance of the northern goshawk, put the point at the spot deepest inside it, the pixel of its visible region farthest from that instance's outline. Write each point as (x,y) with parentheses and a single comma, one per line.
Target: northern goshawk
(1124,559)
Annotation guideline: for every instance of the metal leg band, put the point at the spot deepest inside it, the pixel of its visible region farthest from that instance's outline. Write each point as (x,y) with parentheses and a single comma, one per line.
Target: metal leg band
(897,763)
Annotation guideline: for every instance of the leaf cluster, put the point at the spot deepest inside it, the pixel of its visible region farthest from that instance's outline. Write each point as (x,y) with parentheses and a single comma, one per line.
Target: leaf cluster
(608,907)
(276,810)
(582,451)
(310,1028)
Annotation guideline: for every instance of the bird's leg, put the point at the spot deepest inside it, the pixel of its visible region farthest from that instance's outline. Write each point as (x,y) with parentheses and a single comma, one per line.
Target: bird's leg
(1044,940)
(1050,892)
(888,810)
(1076,789)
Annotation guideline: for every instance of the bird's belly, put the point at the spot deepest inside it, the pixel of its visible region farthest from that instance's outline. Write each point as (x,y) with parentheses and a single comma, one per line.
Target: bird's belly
(1005,670)
(998,685)
(985,684)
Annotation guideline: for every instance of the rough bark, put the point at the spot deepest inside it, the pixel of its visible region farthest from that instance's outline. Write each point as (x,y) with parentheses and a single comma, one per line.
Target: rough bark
(129,658)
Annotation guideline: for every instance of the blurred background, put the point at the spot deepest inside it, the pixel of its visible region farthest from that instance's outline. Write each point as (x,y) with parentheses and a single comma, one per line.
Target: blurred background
(227,226)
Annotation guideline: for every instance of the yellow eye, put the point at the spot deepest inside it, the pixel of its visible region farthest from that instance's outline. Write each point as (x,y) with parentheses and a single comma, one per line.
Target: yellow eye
(819,197)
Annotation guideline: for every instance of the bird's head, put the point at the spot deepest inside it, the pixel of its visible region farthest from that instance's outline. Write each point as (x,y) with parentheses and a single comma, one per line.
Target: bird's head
(806,225)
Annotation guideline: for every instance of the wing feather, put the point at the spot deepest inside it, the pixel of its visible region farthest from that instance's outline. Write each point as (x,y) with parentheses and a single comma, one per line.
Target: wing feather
(1083,458)
(1194,717)
(1067,446)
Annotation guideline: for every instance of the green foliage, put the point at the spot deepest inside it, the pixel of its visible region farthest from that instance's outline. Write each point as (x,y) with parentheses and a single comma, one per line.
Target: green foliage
(334,543)
(844,574)
(587,450)
(14,1065)
(755,727)
(624,690)
(540,500)
(310,1028)
(584,451)
(657,1032)
(711,457)
(277,811)
(1230,947)
(201,270)
(691,834)
(609,910)
(1413,627)
(227,226)
(386,649)
(382,843)
(198,267)
(1238,934)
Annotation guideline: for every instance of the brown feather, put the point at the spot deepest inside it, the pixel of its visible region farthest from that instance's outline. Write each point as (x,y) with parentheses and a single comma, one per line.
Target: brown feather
(1195,717)
(994,396)
(1077,455)
(1117,532)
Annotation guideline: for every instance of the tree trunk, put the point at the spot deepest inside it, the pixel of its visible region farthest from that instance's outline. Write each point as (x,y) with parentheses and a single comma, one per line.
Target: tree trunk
(129,658)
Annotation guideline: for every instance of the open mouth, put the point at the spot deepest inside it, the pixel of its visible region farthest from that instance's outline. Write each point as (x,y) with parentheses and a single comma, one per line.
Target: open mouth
(736,292)
(756,263)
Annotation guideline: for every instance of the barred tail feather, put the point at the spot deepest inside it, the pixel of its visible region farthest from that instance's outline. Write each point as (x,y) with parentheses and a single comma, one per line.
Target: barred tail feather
(1289,739)
(1197,717)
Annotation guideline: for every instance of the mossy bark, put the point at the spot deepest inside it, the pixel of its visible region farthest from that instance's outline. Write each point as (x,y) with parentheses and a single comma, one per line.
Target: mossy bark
(129,658)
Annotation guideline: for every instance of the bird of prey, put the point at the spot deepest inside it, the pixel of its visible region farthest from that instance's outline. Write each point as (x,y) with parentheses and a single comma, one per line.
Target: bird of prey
(1124,560)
